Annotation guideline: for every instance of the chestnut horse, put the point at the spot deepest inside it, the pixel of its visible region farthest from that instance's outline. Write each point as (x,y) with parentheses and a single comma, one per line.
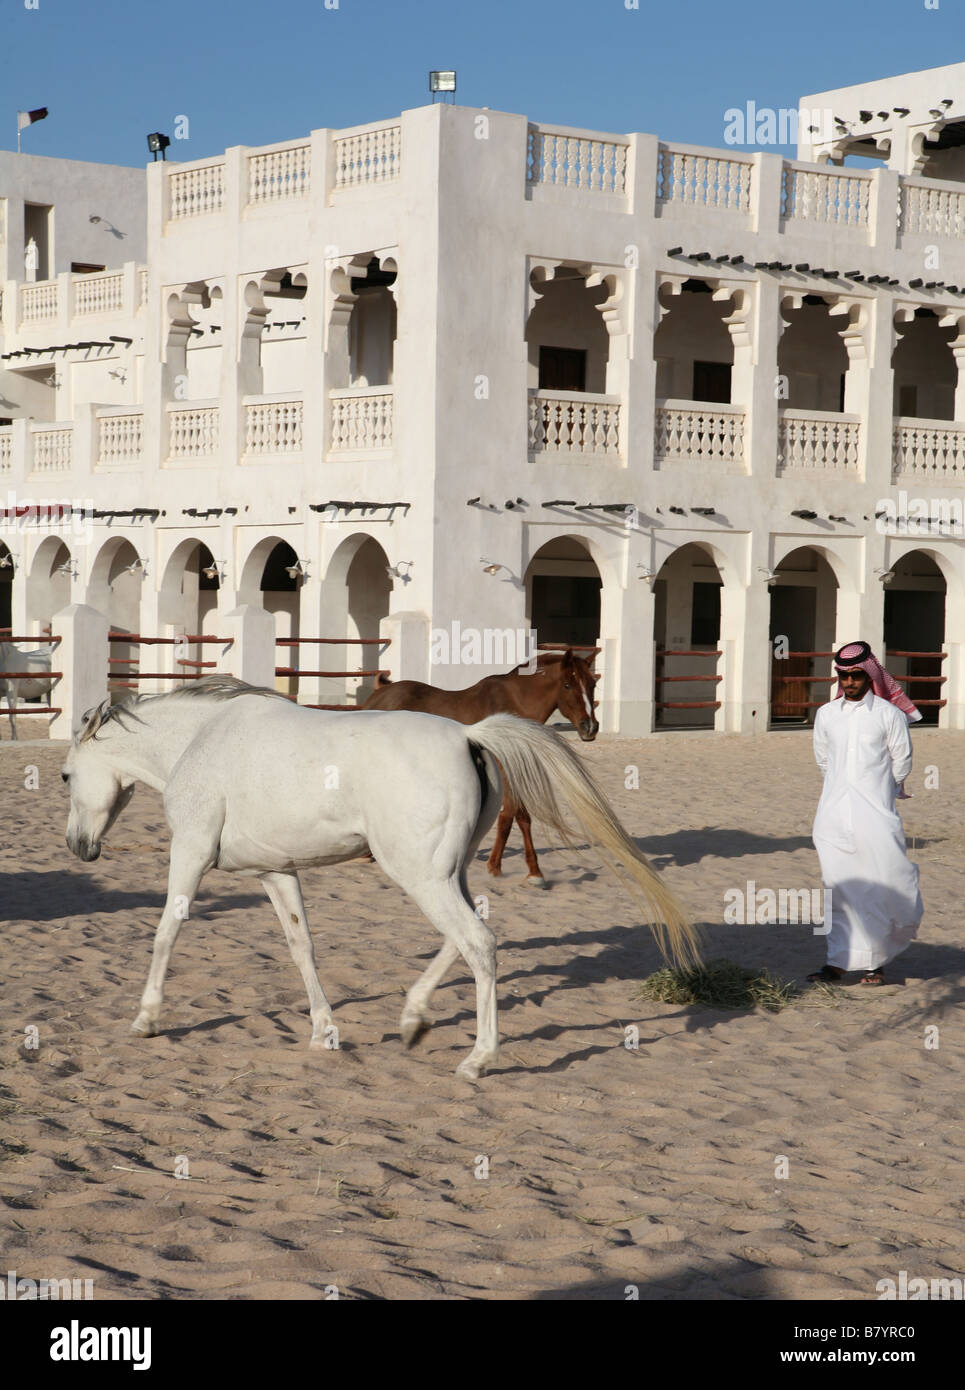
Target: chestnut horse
(561,681)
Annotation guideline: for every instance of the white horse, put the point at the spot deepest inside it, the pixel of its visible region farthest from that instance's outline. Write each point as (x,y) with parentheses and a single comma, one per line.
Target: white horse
(259,786)
(13,659)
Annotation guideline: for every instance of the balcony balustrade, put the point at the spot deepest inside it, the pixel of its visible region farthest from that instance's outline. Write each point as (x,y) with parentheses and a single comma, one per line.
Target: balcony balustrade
(99,294)
(574,422)
(38,302)
(699,432)
(369,156)
(809,194)
(197,191)
(930,450)
(573,159)
(52,448)
(813,439)
(120,438)
(194,431)
(274,176)
(361,419)
(929,208)
(700,178)
(273,426)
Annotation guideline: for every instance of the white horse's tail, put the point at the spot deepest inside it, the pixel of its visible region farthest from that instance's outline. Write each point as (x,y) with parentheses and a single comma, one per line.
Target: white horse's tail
(537,765)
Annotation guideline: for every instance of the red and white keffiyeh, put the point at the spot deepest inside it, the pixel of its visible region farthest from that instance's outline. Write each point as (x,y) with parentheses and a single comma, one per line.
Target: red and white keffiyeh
(859,654)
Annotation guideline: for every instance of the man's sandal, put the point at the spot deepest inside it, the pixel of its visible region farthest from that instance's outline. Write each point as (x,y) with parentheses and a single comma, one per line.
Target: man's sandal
(827,975)
(873,977)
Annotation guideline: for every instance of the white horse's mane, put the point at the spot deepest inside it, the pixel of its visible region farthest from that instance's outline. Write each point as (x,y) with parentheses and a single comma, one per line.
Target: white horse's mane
(213,688)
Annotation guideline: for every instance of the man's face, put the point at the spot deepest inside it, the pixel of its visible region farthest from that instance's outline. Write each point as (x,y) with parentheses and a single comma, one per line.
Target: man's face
(854,683)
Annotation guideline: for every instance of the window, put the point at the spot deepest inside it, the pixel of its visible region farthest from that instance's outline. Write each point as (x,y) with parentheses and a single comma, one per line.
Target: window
(562,369)
(712,382)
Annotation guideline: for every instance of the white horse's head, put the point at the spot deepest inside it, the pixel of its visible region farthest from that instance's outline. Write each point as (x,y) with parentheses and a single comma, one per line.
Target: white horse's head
(98,791)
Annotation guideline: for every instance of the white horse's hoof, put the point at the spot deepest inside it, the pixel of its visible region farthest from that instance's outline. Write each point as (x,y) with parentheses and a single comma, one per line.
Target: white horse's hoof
(413,1029)
(473,1067)
(144,1027)
(537,881)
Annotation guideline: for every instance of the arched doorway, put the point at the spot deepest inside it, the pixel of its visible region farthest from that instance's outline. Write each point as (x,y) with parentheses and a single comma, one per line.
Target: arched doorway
(687,601)
(915,632)
(802,626)
(115,589)
(48,585)
(369,588)
(188,595)
(356,598)
(115,584)
(563,595)
(280,583)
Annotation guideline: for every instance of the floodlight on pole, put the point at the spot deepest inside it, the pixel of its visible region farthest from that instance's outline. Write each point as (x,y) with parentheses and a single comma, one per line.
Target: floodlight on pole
(157,144)
(442,82)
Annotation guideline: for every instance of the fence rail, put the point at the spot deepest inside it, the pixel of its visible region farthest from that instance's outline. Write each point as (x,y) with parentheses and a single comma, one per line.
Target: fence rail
(661,679)
(127,680)
(297,671)
(37,639)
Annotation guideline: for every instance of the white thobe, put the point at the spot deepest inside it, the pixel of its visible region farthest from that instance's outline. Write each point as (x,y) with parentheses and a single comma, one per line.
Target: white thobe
(864,750)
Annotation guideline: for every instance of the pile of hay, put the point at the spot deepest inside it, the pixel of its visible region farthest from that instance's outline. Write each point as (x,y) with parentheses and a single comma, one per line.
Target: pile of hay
(719,984)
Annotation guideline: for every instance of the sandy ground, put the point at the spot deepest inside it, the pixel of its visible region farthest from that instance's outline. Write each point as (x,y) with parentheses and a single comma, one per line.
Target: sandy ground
(361,1168)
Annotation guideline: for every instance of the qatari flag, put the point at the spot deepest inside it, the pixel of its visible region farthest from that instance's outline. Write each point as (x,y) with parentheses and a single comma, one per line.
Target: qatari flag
(25,118)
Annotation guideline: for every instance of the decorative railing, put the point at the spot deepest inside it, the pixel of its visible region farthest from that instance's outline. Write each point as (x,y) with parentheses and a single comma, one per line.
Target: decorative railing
(142,286)
(814,195)
(933,450)
(195,192)
(699,432)
(193,431)
(814,439)
(38,302)
(573,422)
(932,209)
(361,418)
(98,294)
(703,180)
(120,437)
(368,156)
(6,448)
(277,175)
(569,159)
(52,449)
(273,426)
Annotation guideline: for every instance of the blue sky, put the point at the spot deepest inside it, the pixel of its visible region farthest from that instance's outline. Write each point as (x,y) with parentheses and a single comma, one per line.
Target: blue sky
(250,72)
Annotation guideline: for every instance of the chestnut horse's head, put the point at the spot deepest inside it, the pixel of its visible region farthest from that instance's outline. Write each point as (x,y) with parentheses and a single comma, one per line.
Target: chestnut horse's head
(575,696)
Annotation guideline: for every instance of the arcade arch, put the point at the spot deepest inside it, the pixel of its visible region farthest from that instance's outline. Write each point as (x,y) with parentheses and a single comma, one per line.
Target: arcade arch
(915,609)
(687,613)
(804,599)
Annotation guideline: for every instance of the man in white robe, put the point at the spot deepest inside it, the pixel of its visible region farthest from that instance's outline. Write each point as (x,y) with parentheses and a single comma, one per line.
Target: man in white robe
(863,747)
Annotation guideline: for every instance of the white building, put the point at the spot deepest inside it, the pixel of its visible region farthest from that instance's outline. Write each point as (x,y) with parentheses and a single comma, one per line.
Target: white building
(666,389)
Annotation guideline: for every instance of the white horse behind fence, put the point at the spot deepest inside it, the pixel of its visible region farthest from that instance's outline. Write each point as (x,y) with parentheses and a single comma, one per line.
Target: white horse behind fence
(260,786)
(13,659)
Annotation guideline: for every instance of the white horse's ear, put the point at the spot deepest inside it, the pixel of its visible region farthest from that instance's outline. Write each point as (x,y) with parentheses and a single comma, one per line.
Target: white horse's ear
(93,718)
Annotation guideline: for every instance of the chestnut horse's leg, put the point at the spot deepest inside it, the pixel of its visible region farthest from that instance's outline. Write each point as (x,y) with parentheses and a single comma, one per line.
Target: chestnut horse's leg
(503,826)
(524,821)
(507,814)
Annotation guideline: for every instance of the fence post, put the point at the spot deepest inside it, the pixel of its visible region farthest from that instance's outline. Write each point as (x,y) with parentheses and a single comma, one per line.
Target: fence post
(82,656)
(408,656)
(251,656)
